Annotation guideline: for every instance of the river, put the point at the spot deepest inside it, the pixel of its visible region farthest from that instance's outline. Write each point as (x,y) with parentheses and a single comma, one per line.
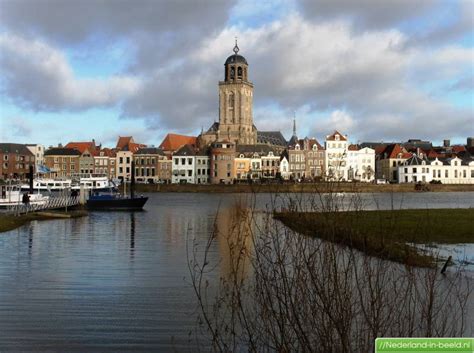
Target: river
(119,281)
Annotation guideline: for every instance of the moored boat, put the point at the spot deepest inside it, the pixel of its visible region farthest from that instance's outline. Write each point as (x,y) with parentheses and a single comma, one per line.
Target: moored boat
(115,202)
(11,195)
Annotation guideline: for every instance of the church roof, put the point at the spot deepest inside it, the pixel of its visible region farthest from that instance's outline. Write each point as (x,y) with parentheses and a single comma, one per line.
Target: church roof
(186,150)
(259,148)
(271,138)
(236,59)
(173,142)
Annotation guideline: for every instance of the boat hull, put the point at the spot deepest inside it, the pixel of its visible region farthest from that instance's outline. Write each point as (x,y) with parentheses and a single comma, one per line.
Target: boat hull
(118,204)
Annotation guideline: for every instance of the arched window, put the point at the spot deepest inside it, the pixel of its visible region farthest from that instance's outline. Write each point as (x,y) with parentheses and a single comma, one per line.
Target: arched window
(239,72)
(232,73)
(231,101)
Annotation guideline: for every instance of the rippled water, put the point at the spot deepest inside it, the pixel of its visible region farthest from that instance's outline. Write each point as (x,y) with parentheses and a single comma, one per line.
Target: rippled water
(119,281)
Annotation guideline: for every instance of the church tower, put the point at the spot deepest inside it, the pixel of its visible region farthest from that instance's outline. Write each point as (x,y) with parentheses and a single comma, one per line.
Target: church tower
(236,101)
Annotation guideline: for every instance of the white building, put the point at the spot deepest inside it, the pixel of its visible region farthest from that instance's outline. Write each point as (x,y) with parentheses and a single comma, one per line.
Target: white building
(447,171)
(284,167)
(452,171)
(203,169)
(361,164)
(38,151)
(189,167)
(123,165)
(336,161)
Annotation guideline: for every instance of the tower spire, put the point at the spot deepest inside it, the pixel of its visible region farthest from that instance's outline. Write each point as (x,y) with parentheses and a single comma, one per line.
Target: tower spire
(294,123)
(236,47)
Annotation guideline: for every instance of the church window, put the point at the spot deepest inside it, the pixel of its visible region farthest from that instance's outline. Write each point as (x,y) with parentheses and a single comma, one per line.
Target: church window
(231,101)
(239,72)
(232,73)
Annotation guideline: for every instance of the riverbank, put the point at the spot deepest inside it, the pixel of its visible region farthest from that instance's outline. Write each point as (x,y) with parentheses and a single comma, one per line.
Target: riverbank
(387,234)
(298,188)
(10,222)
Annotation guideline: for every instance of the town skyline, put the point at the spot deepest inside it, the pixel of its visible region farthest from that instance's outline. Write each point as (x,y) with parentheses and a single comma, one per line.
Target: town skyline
(405,73)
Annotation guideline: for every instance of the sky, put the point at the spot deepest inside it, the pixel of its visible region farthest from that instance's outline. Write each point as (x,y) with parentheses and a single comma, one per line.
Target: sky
(375,70)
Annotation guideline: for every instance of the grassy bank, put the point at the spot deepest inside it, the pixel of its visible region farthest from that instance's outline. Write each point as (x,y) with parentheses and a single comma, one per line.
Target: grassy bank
(295,188)
(386,234)
(9,222)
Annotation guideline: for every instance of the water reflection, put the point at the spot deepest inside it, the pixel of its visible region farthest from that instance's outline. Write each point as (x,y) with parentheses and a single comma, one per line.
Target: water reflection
(119,280)
(132,234)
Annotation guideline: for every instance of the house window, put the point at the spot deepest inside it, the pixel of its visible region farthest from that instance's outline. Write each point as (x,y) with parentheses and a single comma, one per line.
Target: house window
(190,161)
(446,173)
(190,173)
(455,173)
(414,170)
(121,160)
(464,173)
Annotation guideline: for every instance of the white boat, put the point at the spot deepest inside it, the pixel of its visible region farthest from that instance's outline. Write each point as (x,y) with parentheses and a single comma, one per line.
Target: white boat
(88,182)
(11,195)
(48,185)
(92,182)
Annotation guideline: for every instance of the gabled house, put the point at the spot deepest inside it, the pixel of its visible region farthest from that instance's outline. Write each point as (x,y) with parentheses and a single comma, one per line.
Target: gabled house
(336,146)
(387,161)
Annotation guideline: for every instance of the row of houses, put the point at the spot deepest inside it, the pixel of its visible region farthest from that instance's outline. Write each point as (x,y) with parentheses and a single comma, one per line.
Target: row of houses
(179,159)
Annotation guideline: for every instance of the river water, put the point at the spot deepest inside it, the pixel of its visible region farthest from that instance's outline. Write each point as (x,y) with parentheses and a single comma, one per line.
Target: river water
(119,281)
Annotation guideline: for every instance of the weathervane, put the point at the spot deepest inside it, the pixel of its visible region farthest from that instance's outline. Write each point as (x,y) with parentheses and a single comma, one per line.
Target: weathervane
(236,48)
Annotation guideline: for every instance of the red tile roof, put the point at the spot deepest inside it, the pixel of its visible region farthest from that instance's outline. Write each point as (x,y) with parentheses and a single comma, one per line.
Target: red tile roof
(172,142)
(394,151)
(333,137)
(124,141)
(353,148)
(457,148)
(82,146)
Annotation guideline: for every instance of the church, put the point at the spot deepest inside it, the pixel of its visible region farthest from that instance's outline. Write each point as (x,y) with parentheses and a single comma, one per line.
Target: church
(235,123)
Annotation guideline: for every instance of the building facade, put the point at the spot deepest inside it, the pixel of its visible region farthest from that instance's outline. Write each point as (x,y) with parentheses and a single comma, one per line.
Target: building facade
(16,160)
(62,162)
(388,161)
(222,162)
(38,152)
(336,146)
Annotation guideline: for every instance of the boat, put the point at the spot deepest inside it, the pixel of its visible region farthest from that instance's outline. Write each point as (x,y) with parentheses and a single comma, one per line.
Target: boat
(12,195)
(115,202)
(92,182)
(88,182)
(48,185)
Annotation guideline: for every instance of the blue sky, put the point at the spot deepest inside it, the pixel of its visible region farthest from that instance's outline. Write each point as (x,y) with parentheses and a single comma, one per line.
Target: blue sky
(378,71)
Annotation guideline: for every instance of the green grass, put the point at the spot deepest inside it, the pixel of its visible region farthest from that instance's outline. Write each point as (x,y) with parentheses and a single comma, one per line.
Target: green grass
(386,234)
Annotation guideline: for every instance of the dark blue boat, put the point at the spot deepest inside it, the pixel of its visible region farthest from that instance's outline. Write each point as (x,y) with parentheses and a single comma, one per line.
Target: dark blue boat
(115,202)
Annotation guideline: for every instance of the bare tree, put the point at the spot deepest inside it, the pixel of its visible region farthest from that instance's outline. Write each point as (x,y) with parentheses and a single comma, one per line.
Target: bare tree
(286,292)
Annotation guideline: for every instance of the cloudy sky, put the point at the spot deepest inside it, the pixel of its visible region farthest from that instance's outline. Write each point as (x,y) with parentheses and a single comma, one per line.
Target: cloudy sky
(375,70)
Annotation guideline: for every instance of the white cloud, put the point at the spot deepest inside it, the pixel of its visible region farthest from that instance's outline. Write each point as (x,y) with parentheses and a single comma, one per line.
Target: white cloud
(38,76)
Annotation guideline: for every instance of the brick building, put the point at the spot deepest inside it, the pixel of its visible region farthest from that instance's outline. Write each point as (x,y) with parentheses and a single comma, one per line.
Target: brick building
(16,160)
